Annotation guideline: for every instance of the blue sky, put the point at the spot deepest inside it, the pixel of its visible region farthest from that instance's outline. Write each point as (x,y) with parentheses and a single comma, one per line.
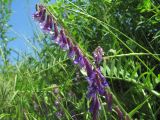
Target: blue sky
(21,21)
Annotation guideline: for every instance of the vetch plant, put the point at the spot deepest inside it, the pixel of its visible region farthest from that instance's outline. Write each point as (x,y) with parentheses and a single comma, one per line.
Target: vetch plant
(98,53)
(96,81)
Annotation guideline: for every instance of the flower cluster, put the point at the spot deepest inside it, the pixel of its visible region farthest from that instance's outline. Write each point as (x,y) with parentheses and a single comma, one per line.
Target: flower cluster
(97,82)
(98,53)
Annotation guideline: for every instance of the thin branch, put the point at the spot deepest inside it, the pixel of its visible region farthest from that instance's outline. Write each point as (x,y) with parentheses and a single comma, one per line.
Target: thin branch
(129,54)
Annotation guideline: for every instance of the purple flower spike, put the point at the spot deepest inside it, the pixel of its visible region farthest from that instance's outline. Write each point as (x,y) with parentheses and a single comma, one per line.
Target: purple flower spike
(98,53)
(40,15)
(95,106)
(96,80)
(47,25)
(63,41)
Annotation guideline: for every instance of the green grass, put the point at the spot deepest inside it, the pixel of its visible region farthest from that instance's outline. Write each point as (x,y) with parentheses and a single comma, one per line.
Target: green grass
(45,83)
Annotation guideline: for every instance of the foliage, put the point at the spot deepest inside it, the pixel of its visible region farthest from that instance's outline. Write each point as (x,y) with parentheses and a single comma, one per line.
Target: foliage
(48,86)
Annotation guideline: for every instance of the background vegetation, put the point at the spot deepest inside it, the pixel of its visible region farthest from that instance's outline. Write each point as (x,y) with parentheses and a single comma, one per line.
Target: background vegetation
(45,85)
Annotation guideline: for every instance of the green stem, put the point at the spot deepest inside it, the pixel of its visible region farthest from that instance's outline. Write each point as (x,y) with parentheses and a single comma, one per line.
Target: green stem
(129,54)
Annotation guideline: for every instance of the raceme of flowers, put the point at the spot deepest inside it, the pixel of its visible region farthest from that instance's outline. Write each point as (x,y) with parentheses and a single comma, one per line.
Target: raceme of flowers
(97,82)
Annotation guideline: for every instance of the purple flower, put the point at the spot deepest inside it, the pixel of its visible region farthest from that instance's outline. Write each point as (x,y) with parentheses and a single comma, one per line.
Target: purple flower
(95,106)
(103,79)
(99,83)
(63,41)
(95,84)
(71,52)
(40,14)
(55,37)
(79,59)
(88,68)
(47,25)
(92,89)
(98,53)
